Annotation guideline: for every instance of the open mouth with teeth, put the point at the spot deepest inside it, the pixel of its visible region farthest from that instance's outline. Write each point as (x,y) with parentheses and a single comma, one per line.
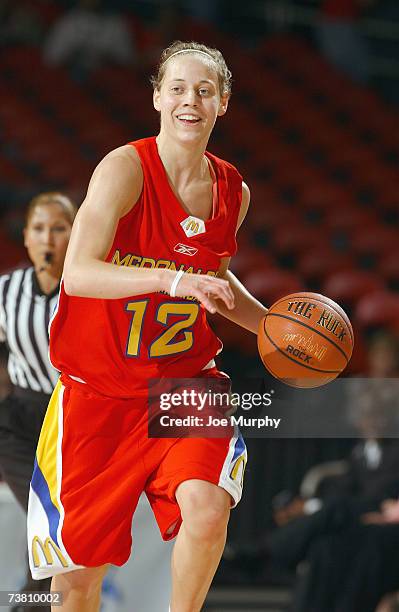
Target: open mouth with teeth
(188,119)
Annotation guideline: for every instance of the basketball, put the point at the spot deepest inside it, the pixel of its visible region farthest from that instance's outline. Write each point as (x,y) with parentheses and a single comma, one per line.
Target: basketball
(305,340)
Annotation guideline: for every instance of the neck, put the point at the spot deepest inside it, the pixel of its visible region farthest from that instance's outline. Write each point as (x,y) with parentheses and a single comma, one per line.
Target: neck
(48,279)
(182,163)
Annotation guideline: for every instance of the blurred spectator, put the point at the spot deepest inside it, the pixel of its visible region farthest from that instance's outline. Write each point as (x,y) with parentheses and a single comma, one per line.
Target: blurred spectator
(383,355)
(339,37)
(353,570)
(86,37)
(322,535)
(372,411)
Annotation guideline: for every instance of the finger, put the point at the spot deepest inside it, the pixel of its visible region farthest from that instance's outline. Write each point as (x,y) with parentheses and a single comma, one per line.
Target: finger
(225,284)
(220,295)
(229,291)
(212,301)
(205,300)
(228,296)
(221,291)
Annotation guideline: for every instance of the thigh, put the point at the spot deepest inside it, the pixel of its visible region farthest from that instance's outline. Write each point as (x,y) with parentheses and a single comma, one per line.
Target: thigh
(219,461)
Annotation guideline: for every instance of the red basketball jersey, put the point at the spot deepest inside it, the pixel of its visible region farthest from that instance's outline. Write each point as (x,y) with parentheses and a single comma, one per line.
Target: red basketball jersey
(116,345)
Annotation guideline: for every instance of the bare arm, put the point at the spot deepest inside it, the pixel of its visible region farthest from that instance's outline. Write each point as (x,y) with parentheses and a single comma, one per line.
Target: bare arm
(248,311)
(114,188)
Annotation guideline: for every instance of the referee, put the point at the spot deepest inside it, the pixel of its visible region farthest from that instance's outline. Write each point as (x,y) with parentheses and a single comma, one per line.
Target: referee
(28,297)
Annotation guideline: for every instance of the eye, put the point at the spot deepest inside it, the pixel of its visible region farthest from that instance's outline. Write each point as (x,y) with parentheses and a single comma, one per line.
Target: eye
(204,91)
(176,89)
(59,228)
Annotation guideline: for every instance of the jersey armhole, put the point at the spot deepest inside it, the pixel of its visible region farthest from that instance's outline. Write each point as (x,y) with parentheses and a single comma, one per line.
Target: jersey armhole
(123,217)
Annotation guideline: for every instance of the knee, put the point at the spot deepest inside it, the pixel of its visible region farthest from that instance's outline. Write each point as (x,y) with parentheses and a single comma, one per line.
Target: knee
(205,510)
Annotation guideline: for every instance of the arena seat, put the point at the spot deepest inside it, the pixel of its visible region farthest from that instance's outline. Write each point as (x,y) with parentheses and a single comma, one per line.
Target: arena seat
(388,266)
(374,241)
(10,173)
(250,259)
(294,238)
(389,199)
(350,219)
(317,262)
(379,308)
(348,286)
(270,285)
(322,195)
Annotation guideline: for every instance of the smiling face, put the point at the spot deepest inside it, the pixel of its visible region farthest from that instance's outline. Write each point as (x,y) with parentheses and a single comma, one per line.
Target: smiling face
(189,99)
(47,231)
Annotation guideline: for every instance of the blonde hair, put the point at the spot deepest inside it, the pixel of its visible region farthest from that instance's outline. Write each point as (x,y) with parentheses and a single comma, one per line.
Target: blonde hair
(69,208)
(179,48)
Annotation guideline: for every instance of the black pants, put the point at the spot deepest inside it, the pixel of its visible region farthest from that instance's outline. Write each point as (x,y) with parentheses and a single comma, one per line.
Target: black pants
(350,572)
(21,417)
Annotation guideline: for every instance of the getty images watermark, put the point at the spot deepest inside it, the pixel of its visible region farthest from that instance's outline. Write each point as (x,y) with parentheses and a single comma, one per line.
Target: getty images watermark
(206,408)
(267,408)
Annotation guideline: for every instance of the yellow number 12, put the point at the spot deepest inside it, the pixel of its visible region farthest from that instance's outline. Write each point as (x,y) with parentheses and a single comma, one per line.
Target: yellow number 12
(164,344)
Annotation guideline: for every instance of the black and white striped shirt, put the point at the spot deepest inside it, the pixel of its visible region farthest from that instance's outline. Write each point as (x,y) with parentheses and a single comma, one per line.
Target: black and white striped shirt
(24,317)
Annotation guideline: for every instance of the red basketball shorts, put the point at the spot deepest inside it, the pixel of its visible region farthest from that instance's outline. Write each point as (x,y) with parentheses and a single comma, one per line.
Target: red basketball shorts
(93,461)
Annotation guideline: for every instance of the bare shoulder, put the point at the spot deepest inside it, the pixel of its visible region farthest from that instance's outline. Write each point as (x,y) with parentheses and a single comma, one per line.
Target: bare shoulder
(119,178)
(246,196)
(125,154)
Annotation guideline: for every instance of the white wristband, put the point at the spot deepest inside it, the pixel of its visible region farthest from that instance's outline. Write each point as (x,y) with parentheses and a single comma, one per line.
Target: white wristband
(175,282)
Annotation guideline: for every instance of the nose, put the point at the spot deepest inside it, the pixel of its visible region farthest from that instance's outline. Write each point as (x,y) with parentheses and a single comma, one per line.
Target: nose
(47,236)
(190,97)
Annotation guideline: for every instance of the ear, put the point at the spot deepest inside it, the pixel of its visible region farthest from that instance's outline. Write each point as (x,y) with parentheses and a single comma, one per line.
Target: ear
(224,102)
(156,100)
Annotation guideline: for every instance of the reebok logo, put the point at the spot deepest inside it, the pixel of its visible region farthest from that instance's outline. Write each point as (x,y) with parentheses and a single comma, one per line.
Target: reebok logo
(185,250)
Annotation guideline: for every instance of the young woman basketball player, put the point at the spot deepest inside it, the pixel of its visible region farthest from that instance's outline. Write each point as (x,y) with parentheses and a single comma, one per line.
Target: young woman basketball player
(158,224)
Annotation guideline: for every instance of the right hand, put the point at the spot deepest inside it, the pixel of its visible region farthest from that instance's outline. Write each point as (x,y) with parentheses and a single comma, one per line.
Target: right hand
(206,289)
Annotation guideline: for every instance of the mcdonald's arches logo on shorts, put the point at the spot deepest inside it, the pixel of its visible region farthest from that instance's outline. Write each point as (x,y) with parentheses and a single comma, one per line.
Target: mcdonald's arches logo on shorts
(192,226)
(237,472)
(45,547)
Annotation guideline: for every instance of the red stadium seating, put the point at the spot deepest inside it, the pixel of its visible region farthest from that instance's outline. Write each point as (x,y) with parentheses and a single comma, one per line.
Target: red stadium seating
(295,238)
(389,267)
(375,240)
(380,308)
(270,285)
(350,285)
(317,151)
(248,259)
(318,262)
